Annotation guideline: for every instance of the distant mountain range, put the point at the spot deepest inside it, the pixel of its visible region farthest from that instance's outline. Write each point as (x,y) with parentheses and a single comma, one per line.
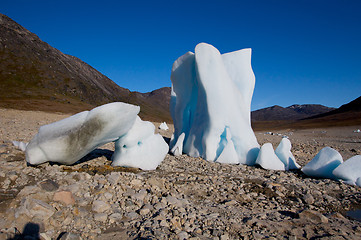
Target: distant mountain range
(294,112)
(347,115)
(36,76)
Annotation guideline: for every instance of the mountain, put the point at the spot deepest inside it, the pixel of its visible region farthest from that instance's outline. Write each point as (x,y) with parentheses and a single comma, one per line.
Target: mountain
(351,107)
(347,115)
(36,76)
(294,112)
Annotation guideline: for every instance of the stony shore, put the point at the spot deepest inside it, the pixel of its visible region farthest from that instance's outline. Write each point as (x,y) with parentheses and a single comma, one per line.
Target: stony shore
(185,198)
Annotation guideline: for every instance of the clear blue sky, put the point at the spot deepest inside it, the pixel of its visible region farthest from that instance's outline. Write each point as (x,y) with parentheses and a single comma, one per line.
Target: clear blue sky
(303,51)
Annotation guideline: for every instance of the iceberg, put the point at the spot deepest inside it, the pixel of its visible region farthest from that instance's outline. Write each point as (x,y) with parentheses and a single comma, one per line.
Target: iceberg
(140,147)
(210,104)
(283,152)
(68,140)
(323,164)
(163,126)
(350,171)
(267,158)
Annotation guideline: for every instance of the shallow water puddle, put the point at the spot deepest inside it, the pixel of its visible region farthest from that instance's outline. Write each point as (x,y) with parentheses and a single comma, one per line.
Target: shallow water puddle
(354,214)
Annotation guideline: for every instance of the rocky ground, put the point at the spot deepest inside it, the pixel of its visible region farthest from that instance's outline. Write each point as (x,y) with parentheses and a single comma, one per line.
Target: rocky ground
(185,198)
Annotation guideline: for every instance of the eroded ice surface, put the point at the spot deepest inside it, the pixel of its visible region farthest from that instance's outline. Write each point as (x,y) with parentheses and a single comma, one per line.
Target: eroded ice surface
(323,164)
(283,152)
(177,149)
(68,140)
(350,171)
(140,147)
(210,103)
(267,158)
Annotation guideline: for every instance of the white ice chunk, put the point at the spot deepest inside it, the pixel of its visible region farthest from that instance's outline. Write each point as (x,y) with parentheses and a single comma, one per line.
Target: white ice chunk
(20,145)
(267,158)
(210,94)
(177,149)
(323,164)
(70,139)
(358,181)
(349,170)
(140,147)
(163,126)
(228,154)
(283,152)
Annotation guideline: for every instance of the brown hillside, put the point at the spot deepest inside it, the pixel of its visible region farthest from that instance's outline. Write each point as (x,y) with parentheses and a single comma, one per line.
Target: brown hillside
(36,76)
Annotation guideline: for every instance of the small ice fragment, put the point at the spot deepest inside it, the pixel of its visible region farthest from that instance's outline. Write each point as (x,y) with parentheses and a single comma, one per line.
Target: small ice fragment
(323,164)
(283,152)
(350,170)
(267,158)
(163,126)
(20,145)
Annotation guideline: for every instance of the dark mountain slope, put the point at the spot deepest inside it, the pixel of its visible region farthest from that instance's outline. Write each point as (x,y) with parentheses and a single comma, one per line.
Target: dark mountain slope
(347,115)
(36,76)
(348,108)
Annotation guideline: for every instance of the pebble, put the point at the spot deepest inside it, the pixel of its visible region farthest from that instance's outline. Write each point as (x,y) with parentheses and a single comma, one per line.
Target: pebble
(313,216)
(100,217)
(65,197)
(100,206)
(308,198)
(185,198)
(49,185)
(39,209)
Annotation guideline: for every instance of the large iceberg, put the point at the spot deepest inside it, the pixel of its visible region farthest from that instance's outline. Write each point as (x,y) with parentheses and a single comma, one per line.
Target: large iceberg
(350,171)
(283,152)
(323,164)
(140,147)
(210,104)
(68,140)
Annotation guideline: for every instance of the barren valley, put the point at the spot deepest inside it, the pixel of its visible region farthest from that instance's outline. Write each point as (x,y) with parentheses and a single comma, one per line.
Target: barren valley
(185,198)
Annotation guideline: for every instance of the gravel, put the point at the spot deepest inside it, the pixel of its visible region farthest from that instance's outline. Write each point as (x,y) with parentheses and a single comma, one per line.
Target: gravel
(185,198)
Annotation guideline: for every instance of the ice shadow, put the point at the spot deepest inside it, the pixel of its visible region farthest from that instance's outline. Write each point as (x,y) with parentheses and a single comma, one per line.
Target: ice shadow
(30,231)
(96,153)
(167,140)
(289,214)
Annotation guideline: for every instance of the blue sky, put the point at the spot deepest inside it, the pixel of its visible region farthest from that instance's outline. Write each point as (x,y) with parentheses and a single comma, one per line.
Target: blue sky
(304,51)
